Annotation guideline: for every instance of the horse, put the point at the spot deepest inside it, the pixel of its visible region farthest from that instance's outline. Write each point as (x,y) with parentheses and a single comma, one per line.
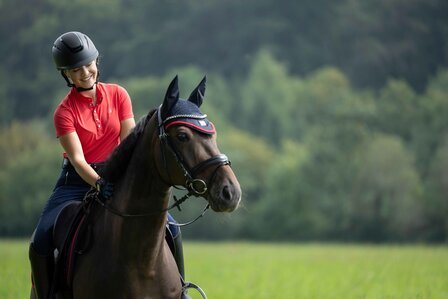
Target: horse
(173,145)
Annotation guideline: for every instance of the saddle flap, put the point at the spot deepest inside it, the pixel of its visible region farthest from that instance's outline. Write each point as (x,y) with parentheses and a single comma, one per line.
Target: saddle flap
(71,235)
(64,223)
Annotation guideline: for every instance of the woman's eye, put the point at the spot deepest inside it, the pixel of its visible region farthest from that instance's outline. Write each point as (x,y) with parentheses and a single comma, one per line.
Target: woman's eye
(182,137)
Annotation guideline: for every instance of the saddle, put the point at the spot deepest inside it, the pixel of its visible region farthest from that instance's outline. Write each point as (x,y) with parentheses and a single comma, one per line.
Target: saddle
(71,237)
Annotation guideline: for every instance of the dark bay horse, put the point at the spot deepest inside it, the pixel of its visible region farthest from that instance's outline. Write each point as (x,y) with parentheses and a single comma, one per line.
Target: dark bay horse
(174,145)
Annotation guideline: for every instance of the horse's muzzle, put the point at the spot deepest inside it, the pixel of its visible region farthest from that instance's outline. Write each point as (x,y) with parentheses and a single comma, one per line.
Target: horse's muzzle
(225,194)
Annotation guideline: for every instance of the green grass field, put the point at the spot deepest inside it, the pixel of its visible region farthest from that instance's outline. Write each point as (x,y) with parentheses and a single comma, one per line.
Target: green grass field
(251,270)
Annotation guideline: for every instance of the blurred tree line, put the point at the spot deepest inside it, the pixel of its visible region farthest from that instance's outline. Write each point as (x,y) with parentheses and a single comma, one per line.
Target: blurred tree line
(332,112)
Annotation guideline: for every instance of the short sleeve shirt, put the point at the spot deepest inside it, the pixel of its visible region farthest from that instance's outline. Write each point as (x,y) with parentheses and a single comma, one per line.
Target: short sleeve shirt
(98,127)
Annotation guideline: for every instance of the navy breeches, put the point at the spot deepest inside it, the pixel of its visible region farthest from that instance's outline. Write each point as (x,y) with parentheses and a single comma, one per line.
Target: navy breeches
(69,187)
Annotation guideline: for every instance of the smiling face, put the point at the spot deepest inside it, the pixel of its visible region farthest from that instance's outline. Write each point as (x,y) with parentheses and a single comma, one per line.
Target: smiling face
(84,76)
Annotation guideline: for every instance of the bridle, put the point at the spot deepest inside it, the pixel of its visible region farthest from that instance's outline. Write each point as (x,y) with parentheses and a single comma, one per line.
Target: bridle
(195,187)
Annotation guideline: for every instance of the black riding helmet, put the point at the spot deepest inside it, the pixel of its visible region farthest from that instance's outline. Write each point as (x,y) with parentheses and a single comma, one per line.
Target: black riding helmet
(71,50)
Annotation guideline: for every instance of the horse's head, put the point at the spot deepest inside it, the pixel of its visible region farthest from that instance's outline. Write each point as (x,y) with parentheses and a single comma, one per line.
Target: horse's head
(189,151)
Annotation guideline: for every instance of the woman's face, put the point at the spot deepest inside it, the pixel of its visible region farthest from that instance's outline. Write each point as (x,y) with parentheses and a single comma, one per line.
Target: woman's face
(84,76)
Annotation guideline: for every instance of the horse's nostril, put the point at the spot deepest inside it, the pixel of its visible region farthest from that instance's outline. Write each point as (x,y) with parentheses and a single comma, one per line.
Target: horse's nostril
(226,193)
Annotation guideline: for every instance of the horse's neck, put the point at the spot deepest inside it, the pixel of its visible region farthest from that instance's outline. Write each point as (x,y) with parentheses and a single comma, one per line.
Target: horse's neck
(140,191)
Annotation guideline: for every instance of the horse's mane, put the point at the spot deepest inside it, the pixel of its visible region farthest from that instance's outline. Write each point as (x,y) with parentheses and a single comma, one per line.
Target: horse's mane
(119,159)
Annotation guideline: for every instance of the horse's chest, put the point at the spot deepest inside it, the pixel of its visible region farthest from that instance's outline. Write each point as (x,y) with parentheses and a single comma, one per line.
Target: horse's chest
(128,282)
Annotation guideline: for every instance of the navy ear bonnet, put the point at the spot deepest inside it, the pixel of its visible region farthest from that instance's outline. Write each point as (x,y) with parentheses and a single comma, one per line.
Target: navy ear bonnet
(185,113)
(176,111)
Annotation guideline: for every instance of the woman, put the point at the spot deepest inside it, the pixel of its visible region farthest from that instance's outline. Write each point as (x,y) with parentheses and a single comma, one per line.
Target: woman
(90,122)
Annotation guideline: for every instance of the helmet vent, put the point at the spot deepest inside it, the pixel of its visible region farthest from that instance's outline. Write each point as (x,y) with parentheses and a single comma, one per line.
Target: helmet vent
(73,43)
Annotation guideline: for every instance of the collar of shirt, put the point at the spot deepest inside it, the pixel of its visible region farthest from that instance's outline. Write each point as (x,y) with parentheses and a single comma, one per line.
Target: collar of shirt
(99,95)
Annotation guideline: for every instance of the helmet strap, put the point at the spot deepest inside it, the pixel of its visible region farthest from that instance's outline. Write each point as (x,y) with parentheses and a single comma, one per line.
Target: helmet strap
(69,84)
(80,89)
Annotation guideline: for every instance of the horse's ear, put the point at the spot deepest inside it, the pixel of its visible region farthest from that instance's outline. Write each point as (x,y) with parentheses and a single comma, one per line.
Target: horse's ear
(171,98)
(197,96)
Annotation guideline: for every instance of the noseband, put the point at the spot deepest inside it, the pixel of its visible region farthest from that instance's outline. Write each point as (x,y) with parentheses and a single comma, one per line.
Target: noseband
(195,186)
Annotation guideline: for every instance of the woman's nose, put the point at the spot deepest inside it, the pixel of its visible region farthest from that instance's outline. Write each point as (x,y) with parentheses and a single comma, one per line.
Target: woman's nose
(84,70)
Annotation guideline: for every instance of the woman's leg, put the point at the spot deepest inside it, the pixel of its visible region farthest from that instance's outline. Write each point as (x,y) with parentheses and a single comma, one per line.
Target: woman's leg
(178,249)
(41,246)
(43,235)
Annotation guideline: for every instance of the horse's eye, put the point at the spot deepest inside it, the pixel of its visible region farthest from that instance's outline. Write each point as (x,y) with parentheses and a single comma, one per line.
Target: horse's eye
(183,137)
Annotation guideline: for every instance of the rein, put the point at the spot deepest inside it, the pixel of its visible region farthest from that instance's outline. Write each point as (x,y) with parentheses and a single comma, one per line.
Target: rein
(176,204)
(195,187)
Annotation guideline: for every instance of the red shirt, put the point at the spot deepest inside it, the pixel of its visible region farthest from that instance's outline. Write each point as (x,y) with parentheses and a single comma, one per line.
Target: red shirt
(98,127)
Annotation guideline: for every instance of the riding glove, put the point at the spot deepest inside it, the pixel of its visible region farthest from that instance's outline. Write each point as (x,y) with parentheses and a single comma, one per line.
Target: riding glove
(105,189)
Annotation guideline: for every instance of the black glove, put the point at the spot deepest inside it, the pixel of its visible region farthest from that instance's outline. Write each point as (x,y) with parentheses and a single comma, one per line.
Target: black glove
(105,189)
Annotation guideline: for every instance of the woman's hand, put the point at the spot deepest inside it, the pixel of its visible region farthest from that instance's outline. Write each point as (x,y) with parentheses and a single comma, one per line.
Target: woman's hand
(105,189)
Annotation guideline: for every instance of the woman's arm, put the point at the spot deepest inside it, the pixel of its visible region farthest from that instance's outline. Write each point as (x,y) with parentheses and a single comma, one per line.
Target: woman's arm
(126,127)
(72,146)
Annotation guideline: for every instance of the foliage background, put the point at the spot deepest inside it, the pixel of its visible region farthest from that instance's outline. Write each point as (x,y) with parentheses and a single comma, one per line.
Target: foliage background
(333,112)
